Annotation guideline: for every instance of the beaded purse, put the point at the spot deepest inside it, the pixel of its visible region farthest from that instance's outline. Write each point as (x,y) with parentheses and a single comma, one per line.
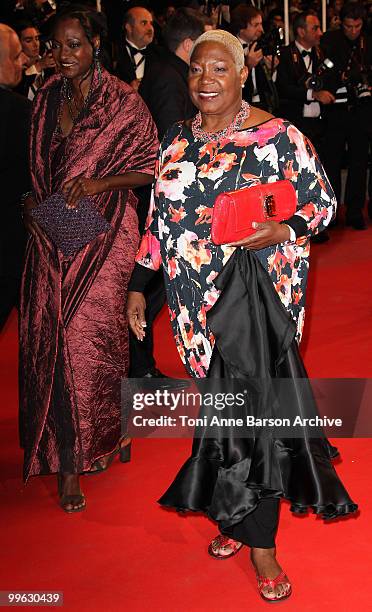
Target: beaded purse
(70,229)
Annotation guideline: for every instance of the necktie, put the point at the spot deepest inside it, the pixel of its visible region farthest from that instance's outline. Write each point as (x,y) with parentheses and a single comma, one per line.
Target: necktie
(306,53)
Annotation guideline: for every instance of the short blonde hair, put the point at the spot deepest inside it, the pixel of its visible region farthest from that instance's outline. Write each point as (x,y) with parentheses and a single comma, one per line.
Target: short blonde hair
(230,42)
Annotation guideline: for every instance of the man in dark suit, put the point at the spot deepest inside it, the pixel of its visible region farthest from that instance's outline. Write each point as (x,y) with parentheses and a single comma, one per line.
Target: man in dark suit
(14,175)
(349,118)
(39,68)
(164,88)
(300,102)
(259,89)
(137,48)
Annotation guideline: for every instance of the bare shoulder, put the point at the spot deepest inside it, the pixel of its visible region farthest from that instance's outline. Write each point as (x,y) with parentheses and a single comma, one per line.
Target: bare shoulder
(256,117)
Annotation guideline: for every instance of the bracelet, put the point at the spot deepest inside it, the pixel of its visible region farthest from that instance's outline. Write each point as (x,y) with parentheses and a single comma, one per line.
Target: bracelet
(24,197)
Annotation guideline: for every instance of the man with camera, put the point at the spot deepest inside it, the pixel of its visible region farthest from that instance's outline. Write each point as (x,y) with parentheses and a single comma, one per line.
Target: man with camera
(261,57)
(299,81)
(300,84)
(349,118)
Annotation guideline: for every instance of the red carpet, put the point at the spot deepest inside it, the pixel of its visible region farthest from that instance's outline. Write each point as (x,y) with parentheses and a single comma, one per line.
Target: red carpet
(125,553)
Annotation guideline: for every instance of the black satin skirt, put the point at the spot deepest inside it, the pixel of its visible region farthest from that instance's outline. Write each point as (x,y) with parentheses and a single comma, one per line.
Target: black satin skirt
(226,475)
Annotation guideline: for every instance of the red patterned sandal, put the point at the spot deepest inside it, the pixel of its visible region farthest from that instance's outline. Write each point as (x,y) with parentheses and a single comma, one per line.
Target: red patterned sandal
(272,583)
(223,543)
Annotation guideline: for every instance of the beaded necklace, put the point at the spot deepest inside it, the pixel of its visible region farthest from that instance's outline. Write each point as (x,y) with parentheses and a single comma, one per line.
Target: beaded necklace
(66,94)
(76,113)
(234,126)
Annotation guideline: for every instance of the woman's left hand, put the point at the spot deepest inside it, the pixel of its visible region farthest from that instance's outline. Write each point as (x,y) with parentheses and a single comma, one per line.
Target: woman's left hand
(268,233)
(78,187)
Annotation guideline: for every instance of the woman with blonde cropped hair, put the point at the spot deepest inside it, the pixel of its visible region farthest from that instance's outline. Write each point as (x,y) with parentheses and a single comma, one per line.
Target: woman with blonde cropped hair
(237,310)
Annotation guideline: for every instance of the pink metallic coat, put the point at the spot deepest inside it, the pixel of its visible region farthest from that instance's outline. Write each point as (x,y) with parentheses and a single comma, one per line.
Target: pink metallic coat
(73,329)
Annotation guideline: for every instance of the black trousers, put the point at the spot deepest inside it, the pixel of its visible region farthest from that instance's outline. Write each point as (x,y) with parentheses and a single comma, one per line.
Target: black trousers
(314,129)
(258,528)
(141,357)
(13,238)
(348,126)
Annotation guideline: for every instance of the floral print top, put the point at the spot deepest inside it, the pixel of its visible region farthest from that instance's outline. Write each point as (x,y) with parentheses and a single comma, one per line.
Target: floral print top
(189,176)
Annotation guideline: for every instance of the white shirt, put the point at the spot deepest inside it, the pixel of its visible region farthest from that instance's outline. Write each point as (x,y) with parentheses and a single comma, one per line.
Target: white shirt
(311,110)
(138,60)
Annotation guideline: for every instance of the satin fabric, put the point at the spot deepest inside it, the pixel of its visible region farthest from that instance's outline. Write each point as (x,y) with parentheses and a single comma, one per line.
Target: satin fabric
(73,330)
(227,476)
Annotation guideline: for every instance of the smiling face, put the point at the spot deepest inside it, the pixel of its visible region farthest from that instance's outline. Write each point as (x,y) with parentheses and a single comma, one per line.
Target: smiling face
(72,51)
(215,84)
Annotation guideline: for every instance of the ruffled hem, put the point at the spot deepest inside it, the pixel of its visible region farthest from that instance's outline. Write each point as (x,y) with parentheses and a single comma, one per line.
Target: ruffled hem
(329,512)
(226,476)
(227,495)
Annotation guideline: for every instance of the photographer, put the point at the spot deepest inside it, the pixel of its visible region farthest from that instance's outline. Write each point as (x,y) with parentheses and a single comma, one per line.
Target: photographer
(300,84)
(261,60)
(349,118)
(299,80)
(39,67)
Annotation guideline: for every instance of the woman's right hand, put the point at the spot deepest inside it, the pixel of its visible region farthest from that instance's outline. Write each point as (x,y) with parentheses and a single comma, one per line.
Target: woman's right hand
(28,220)
(136,307)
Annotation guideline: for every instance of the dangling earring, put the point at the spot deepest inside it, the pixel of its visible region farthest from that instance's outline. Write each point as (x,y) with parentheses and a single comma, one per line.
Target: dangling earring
(97,63)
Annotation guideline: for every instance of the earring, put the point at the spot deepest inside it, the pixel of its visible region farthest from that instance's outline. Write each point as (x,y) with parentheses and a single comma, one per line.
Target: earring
(97,63)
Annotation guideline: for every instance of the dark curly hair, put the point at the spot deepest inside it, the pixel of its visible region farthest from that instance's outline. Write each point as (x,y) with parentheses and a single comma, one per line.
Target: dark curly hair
(93,23)
(353,10)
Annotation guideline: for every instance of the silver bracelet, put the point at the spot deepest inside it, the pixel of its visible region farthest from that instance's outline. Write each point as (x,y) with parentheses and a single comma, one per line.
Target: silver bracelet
(24,197)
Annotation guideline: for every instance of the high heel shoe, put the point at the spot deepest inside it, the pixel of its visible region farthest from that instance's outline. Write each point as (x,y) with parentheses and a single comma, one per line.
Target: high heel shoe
(124,450)
(76,501)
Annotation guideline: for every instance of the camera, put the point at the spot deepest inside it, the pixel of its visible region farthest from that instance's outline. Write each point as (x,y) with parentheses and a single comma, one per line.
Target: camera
(362,91)
(271,42)
(356,78)
(357,89)
(357,84)
(315,81)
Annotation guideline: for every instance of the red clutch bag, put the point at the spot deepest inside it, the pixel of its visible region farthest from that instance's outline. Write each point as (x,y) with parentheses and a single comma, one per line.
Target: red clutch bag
(235,211)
